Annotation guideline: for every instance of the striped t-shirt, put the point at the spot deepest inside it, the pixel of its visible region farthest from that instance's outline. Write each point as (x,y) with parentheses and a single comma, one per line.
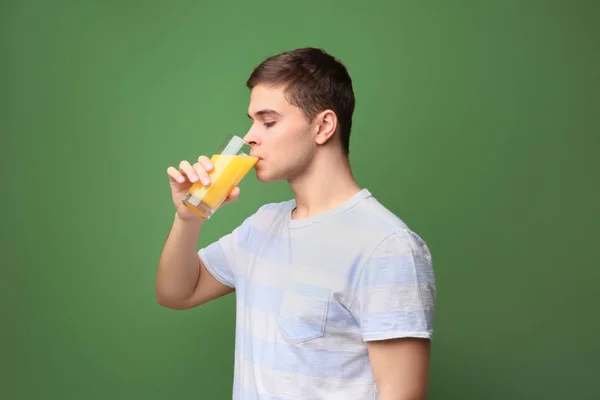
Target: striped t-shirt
(311,292)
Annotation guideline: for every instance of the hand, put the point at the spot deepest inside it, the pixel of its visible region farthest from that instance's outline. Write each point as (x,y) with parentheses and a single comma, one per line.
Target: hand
(183,178)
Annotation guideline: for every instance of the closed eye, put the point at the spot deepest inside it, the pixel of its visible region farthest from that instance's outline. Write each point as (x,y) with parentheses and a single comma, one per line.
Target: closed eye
(269,124)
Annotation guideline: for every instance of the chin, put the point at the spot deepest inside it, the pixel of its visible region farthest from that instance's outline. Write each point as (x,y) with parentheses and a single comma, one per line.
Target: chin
(264,176)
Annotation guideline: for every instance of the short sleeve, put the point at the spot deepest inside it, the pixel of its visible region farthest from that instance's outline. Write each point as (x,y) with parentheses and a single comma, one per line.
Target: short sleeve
(395,292)
(220,257)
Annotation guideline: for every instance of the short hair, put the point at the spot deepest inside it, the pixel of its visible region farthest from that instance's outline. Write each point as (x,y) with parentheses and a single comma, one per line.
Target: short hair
(314,81)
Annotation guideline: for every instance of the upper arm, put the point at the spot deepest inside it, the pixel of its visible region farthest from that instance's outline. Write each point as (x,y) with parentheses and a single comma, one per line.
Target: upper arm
(400,367)
(395,290)
(393,305)
(219,265)
(207,288)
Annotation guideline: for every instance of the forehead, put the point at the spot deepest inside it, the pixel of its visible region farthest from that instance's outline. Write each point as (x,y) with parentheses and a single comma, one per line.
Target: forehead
(268,97)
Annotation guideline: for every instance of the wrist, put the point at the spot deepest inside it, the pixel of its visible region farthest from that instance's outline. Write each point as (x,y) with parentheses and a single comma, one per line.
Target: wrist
(188,219)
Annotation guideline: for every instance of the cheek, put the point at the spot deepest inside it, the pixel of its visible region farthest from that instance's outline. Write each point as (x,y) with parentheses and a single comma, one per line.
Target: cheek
(293,145)
(296,154)
(288,145)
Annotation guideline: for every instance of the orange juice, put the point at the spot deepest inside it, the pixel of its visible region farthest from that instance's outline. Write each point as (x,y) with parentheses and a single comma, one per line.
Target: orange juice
(228,170)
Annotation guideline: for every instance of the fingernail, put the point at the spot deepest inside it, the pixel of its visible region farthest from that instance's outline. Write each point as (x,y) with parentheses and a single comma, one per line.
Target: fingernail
(194,178)
(206,181)
(180,179)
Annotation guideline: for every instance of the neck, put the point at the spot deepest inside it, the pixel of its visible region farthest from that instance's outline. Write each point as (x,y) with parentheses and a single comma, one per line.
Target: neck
(326,183)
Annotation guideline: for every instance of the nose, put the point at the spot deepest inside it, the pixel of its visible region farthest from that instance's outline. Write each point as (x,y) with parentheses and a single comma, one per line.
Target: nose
(252,137)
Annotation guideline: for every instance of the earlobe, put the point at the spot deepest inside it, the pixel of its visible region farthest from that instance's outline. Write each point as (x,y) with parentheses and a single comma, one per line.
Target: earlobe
(326,127)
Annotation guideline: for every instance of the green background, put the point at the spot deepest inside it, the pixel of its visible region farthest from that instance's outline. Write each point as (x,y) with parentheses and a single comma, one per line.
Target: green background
(477,122)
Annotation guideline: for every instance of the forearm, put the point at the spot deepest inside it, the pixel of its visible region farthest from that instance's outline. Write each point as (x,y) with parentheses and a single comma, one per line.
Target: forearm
(395,393)
(178,267)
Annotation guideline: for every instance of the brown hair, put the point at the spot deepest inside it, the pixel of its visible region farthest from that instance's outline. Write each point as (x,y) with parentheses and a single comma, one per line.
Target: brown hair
(314,81)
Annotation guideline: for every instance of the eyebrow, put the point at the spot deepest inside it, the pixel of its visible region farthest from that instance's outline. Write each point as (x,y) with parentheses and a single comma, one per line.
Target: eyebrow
(264,112)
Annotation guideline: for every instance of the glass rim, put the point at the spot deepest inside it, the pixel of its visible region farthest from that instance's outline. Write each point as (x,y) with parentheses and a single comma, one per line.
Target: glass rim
(234,144)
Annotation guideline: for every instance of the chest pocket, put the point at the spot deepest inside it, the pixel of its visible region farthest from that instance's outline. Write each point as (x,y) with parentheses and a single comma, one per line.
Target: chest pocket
(303,312)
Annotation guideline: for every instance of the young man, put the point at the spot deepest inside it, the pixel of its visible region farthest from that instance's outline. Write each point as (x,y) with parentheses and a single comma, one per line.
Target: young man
(335,294)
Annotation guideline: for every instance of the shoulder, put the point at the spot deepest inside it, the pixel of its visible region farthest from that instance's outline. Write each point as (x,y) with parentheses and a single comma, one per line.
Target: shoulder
(376,219)
(382,217)
(403,243)
(400,263)
(389,232)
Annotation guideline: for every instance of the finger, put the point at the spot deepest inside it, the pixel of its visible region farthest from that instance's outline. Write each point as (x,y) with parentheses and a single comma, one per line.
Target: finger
(175,175)
(186,169)
(206,163)
(234,195)
(201,172)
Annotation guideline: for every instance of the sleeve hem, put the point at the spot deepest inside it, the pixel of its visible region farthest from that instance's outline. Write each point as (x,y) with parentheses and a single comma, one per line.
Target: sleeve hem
(212,271)
(396,335)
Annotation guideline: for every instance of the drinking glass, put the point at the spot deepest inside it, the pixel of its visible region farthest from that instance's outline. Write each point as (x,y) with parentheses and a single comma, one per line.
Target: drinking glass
(231,162)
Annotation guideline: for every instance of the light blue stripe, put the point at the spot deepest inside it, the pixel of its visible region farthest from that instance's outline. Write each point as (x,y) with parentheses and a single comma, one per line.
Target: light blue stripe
(400,321)
(392,270)
(262,297)
(268,300)
(302,360)
(301,330)
(260,243)
(354,269)
(310,290)
(339,317)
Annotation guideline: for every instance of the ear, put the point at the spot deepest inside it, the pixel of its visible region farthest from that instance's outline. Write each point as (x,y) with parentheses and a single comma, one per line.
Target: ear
(326,125)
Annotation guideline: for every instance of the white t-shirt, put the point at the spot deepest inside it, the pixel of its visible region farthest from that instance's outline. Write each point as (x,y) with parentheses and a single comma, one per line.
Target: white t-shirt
(311,292)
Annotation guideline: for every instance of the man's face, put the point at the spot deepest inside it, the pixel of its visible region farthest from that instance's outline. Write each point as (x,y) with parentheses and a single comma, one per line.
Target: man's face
(280,135)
